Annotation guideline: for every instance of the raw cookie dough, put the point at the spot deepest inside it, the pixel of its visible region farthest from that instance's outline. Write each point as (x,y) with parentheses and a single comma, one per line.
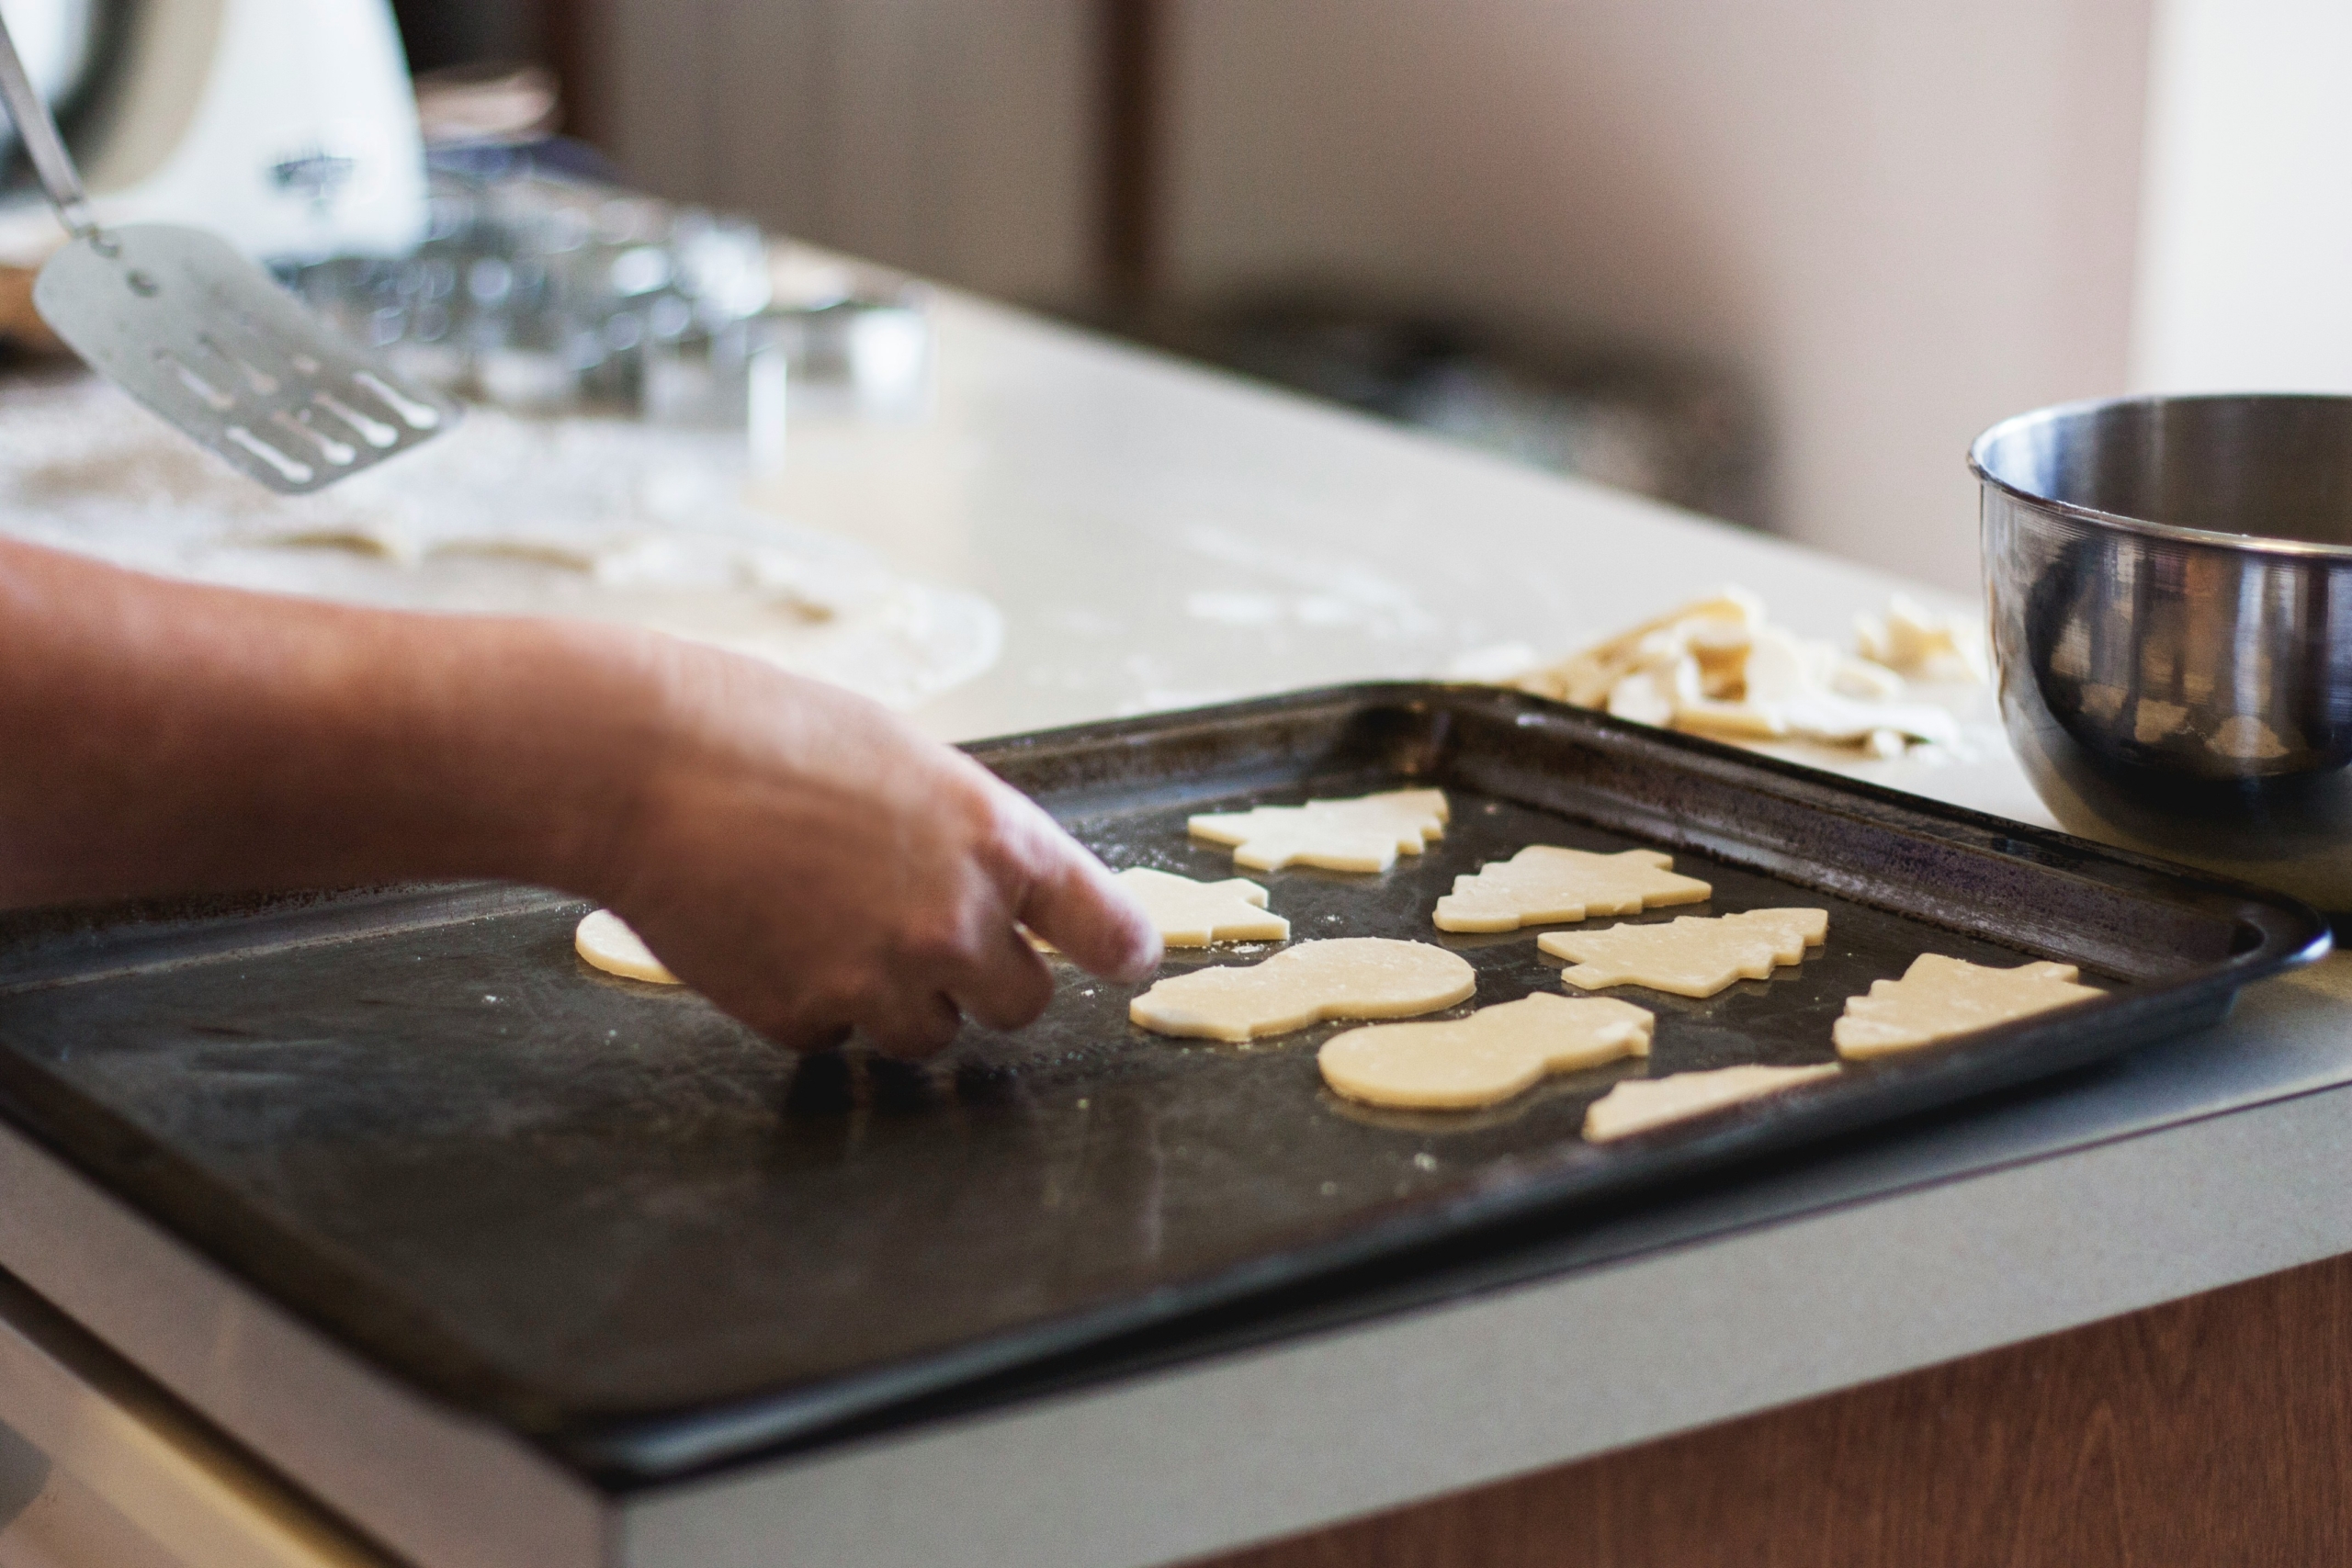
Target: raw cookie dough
(1488,1056)
(1916,641)
(1939,998)
(1635,1105)
(1363,834)
(1200,914)
(1715,667)
(1690,956)
(1356,976)
(1543,883)
(605,939)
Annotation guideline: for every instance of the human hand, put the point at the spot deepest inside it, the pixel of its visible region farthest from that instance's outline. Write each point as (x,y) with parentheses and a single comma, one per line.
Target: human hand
(811,863)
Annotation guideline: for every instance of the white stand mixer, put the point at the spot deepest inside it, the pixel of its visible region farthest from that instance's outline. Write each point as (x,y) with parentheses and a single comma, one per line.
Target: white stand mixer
(287,126)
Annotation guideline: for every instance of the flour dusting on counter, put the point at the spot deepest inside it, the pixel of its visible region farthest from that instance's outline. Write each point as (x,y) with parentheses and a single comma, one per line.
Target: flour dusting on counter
(596,519)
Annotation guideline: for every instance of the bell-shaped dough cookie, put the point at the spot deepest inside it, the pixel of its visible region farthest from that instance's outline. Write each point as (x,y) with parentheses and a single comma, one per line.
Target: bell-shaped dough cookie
(605,939)
(1366,833)
(1543,883)
(1492,1054)
(1690,956)
(1358,976)
(1635,1105)
(1939,998)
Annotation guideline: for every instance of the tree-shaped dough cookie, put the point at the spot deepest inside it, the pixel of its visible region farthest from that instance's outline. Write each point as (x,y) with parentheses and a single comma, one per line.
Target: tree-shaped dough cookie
(1543,883)
(1366,833)
(1357,976)
(1692,956)
(1488,1056)
(1939,998)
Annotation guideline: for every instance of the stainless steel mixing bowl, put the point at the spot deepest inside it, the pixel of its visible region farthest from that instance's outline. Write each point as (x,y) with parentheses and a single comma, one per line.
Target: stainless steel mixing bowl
(2170,585)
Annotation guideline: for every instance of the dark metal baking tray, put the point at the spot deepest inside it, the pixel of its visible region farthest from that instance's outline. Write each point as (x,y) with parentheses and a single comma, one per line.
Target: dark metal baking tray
(601,1213)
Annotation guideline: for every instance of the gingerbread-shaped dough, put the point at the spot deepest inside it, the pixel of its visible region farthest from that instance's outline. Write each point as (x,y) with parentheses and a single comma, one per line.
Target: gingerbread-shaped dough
(1690,956)
(1544,884)
(1366,833)
(1200,914)
(605,939)
(1635,1105)
(1357,976)
(1939,998)
(1492,1054)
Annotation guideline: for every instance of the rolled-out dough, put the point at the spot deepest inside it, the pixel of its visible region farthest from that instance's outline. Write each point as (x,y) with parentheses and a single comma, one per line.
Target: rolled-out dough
(1494,1054)
(605,939)
(1202,914)
(1939,998)
(1366,833)
(1544,883)
(1635,1105)
(1690,956)
(1358,976)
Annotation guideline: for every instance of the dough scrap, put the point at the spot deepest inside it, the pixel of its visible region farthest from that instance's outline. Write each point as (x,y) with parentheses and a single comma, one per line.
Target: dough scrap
(1494,1054)
(605,939)
(1715,667)
(1544,883)
(1916,642)
(1202,914)
(1356,976)
(1703,625)
(1692,956)
(1366,833)
(1939,998)
(1636,1105)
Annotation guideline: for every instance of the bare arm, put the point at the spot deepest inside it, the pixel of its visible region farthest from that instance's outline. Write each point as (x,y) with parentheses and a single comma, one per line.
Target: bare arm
(797,853)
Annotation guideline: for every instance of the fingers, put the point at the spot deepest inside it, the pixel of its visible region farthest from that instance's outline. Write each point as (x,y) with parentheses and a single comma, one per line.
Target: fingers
(1009,991)
(1076,905)
(911,1023)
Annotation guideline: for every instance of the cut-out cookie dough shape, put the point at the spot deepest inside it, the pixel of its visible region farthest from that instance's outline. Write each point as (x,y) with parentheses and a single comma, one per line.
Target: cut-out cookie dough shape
(1636,1105)
(1356,976)
(1543,883)
(1689,957)
(1939,998)
(1492,1054)
(1366,833)
(1202,914)
(605,939)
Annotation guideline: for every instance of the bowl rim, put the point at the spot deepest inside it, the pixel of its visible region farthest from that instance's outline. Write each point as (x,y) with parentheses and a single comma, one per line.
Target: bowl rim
(2244,544)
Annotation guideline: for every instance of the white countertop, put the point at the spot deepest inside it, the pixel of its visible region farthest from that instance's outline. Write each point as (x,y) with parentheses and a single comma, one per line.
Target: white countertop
(1158,535)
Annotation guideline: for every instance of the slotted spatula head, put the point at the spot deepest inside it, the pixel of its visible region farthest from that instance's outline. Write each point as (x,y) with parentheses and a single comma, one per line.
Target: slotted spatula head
(203,337)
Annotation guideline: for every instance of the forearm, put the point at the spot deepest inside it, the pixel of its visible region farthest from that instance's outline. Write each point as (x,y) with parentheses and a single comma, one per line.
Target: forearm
(159,737)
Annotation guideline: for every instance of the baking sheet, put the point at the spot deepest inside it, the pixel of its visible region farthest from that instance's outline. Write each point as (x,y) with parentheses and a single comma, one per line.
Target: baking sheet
(600,1212)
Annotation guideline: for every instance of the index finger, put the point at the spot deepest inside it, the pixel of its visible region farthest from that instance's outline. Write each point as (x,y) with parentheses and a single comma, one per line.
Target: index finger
(1077,905)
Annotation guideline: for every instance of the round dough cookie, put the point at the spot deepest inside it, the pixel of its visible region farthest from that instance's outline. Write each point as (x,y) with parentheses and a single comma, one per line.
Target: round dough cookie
(605,939)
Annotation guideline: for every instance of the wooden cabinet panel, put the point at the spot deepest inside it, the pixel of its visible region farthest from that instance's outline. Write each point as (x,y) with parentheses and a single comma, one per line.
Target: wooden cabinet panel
(2216,1430)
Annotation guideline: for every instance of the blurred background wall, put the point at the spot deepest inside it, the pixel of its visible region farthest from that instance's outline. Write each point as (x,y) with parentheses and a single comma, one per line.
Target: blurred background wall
(1877,228)
(2247,242)
(1896,223)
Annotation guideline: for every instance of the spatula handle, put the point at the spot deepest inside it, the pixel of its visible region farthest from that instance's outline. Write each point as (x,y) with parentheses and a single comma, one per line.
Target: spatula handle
(37,127)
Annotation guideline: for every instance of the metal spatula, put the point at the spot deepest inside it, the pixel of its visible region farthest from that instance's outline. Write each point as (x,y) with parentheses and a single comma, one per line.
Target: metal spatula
(204,338)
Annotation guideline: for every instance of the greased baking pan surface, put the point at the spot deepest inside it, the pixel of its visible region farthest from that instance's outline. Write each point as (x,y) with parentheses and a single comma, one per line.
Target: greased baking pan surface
(601,1213)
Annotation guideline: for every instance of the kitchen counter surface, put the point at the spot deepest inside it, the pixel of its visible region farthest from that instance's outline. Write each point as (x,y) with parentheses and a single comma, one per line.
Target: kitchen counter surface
(1156,536)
